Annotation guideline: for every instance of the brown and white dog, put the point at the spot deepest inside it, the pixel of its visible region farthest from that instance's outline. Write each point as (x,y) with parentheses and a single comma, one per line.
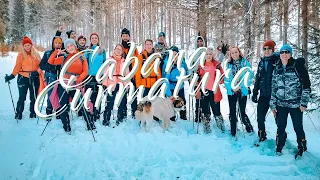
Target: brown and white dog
(161,108)
(144,114)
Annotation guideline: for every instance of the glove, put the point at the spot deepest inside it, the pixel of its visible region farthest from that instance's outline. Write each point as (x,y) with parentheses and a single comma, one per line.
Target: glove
(8,78)
(255,98)
(34,75)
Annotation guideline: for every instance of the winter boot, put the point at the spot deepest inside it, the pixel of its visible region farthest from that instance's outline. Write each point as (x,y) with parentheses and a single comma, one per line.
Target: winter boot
(220,123)
(18,115)
(304,144)
(300,150)
(247,123)
(183,114)
(206,124)
(19,110)
(262,135)
(66,122)
(32,115)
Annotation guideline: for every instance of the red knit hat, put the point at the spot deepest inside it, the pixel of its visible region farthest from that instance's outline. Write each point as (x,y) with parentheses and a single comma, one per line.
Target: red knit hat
(270,44)
(94,34)
(26,40)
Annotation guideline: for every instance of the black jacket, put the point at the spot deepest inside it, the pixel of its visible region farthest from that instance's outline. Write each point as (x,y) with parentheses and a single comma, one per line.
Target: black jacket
(263,77)
(44,65)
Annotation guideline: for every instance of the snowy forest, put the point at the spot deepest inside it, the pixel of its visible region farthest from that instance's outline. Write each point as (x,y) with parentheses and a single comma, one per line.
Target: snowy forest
(238,140)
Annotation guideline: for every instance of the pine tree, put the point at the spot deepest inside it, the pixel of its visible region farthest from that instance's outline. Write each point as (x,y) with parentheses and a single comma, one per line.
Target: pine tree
(17,24)
(4,19)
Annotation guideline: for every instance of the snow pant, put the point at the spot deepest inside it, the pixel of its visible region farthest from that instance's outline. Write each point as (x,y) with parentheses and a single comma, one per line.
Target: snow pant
(110,103)
(50,77)
(183,113)
(262,110)
(25,84)
(134,105)
(297,121)
(93,84)
(207,102)
(64,98)
(242,100)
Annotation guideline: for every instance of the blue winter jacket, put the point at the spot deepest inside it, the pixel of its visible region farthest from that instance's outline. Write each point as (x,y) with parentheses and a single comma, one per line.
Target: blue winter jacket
(96,62)
(227,81)
(172,76)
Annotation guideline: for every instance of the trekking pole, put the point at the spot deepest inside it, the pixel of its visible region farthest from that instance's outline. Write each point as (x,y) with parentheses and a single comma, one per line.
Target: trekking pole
(14,109)
(41,109)
(189,107)
(88,121)
(199,109)
(50,120)
(313,125)
(193,114)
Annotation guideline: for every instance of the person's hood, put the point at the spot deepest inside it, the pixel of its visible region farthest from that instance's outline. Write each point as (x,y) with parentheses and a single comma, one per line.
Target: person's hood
(204,43)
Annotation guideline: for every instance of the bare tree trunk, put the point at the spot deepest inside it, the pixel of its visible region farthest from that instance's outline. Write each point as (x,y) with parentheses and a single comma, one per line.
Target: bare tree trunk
(202,18)
(286,21)
(268,19)
(305,4)
(299,17)
(280,14)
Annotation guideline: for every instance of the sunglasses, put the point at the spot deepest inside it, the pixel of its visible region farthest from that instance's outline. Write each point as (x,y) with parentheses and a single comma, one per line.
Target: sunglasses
(285,52)
(265,49)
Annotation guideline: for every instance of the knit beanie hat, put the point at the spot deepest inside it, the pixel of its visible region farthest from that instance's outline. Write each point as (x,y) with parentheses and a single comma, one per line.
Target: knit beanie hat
(26,40)
(270,44)
(125,31)
(68,41)
(82,37)
(286,47)
(162,34)
(69,33)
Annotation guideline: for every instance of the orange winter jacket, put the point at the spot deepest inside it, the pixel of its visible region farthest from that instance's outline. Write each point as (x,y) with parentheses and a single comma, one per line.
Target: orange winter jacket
(25,65)
(78,68)
(151,79)
(126,50)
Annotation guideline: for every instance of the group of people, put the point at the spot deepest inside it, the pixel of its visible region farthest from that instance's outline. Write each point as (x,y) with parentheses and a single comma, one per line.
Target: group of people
(281,82)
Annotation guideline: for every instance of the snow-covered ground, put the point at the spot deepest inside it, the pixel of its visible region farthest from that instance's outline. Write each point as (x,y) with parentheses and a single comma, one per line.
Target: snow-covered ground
(127,152)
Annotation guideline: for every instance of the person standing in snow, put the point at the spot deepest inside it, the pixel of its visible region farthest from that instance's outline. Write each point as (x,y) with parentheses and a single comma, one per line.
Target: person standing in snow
(239,96)
(263,85)
(94,63)
(172,78)
(78,68)
(198,112)
(51,71)
(290,94)
(161,47)
(118,57)
(149,81)
(71,34)
(125,38)
(82,41)
(211,100)
(27,68)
